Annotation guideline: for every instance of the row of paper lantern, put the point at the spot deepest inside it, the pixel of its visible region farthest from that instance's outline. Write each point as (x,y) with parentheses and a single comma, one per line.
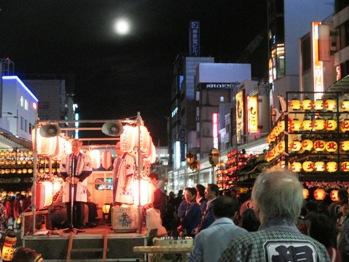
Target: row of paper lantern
(329,105)
(318,166)
(296,125)
(275,151)
(276,131)
(320,194)
(317,146)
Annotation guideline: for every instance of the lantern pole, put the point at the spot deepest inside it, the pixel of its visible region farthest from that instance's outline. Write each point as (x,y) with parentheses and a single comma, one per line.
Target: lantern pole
(139,170)
(35,169)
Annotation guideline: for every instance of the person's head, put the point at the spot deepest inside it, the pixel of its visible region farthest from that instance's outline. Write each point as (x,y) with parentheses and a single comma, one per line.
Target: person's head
(323,229)
(212,191)
(249,220)
(76,146)
(190,194)
(118,149)
(225,206)
(277,194)
(200,191)
(154,178)
(25,254)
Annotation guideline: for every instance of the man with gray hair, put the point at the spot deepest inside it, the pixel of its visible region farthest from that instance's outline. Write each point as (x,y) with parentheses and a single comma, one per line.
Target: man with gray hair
(278,198)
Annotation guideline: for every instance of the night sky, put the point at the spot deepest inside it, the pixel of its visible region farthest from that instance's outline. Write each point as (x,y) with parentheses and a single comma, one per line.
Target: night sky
(117,76)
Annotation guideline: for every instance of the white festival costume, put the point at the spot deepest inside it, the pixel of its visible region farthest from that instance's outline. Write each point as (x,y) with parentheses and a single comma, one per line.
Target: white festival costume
(83,164)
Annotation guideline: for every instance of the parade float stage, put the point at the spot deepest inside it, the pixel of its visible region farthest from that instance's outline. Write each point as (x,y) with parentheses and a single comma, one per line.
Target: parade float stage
(100,243)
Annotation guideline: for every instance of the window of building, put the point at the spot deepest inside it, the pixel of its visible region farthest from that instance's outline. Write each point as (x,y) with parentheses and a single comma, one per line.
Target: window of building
(25,125)
(306,53)
(344,35)
(22,123)
(21,100)
(25,104)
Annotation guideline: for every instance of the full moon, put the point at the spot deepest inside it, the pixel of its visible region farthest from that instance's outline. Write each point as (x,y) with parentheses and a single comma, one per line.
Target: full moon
(122,26)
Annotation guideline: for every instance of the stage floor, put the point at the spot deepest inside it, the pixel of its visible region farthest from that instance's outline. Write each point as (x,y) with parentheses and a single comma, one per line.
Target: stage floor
(100,243)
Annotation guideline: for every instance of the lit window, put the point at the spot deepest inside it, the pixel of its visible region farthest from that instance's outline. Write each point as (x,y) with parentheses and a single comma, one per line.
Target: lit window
(221,99)
(22,101)
(34,106)
(25,104)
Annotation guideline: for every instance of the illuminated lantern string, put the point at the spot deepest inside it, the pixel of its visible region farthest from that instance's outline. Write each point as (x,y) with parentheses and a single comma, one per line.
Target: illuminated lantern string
(294,125)
(345,105)
(307,145)
(319,124)
(345,166)
(305,193)
(331,146)
(330,105)
(319,166)
(307,104)
(319,145)
(330,125)
(307,125)
(296,167)
(331,167)
(295,104)
(295,146)
(308,166)
(345,145)
(334,195)
(344,125)
(319,194)
(318,105)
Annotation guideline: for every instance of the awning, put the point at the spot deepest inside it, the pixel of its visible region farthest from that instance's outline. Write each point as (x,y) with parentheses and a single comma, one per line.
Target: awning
(8,141)
(341,86)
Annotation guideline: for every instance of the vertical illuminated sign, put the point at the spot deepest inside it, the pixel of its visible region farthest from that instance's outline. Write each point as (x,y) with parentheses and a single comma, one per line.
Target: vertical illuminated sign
(215,129)
(239,116)
(317,64)
(252,114)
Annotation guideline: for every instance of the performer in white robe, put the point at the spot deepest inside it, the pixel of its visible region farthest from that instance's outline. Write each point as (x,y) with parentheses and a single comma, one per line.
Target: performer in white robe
(123,174)
(75,168)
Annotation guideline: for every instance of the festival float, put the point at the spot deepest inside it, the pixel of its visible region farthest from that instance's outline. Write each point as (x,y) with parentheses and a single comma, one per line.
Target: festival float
(119,226)
(312,139)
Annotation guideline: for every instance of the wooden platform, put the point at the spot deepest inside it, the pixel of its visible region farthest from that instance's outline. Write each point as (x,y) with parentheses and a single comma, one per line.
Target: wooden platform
(94,244)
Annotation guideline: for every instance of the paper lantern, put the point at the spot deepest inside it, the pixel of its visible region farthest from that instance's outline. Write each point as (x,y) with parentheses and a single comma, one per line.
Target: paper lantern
(330,125)
(344,125)
(294,104)
(295,146)
(308,166)
(319,166)
(331,166)
(8,247)
(296,167)
(334,195)
(319,145)
(281,147)
(330,105)
(345,105)
(319,124)
(319,194)
(307,145)
(345,166)
(345,145)
(294,125)
(307,125)
(307,104)
(318,105)
(305,193)
(331,146)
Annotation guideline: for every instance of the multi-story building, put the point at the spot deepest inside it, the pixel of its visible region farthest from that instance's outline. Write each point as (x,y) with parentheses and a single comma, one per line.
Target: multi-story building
(288,21)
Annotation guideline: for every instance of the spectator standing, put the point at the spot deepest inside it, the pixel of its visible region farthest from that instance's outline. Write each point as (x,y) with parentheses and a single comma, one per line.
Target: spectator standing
(211,242)
(211,193)
(278,198)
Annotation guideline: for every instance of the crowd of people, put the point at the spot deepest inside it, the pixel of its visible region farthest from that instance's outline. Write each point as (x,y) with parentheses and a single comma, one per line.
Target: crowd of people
(272,223)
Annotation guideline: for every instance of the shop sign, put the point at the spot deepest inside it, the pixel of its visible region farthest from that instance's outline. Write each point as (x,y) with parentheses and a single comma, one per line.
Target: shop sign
(252,113)
(239,116)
